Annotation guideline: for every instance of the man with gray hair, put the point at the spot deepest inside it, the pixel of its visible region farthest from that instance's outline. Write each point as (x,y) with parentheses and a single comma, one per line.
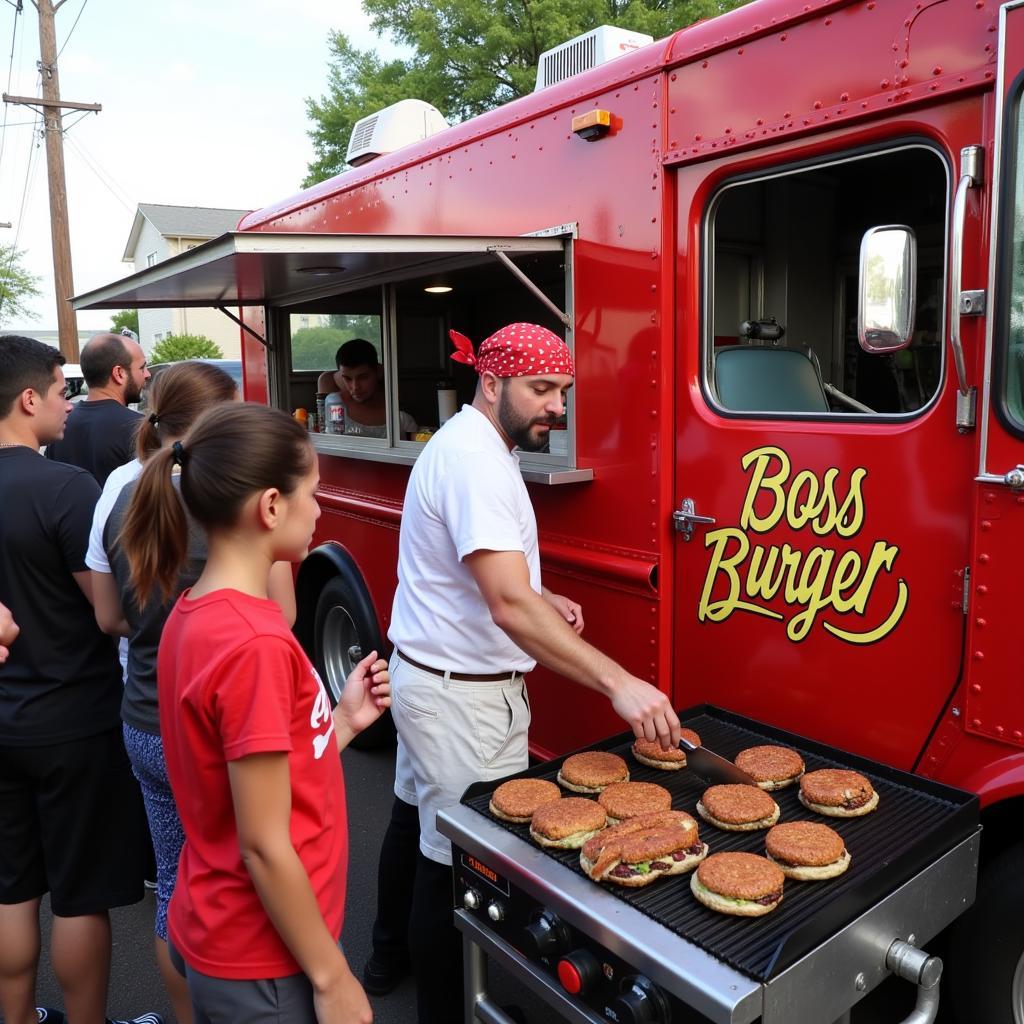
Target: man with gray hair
(100,432)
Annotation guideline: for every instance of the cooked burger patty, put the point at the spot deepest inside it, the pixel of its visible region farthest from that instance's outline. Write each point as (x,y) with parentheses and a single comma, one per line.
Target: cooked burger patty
(807,850)
(591,771)
(567,823)
(649,752)
(838,793)
(623,800)
(517,799)
(738,883)
(771,767)
(738,808)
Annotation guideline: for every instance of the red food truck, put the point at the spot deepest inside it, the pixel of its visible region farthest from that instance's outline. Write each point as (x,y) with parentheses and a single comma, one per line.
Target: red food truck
(786,247)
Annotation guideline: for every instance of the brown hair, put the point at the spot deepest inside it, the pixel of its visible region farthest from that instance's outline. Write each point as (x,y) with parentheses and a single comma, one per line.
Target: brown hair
(177,396)
(231,452)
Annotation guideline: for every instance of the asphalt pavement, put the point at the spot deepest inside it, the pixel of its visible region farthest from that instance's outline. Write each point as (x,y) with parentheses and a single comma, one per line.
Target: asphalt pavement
(135,985)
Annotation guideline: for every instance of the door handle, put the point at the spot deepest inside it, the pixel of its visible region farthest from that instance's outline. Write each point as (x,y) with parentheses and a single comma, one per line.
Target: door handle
(685,518)
(970,177)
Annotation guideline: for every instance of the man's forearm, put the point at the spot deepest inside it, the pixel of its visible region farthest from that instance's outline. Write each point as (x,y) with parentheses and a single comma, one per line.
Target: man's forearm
(535,627)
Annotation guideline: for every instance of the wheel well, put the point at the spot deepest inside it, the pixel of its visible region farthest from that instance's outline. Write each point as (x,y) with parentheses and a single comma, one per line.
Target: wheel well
(1001,826)
(321,565)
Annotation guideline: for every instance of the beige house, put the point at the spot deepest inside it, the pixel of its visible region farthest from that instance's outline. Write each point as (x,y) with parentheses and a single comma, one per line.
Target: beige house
(160,232)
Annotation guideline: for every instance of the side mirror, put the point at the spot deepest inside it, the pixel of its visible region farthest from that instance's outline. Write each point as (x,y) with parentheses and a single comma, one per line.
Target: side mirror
(888,288)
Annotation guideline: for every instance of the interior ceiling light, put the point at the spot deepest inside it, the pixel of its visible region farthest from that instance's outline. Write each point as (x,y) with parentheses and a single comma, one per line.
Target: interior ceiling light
(438,289)
(319,271)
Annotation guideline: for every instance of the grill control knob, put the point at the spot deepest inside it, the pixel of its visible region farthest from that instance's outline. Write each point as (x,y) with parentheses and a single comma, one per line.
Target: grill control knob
(546,936)
(578,971)
(640,1002)
(471,899)
(495,911)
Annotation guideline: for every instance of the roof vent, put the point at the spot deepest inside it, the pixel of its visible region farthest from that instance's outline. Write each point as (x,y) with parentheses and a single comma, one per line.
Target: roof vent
(585,52)
(392,128)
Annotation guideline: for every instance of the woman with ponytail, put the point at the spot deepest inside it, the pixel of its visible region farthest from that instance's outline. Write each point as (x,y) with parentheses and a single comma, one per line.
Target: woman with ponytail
(249,737)
(177,397)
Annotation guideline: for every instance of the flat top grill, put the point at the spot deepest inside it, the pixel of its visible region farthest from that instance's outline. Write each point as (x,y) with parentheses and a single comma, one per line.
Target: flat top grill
(915,823)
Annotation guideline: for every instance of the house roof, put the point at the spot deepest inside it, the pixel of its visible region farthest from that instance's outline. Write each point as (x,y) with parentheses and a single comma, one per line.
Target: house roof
(181,222)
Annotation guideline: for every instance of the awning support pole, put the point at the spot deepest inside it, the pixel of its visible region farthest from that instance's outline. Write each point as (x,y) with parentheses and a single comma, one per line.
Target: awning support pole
(245,327)
(564,317)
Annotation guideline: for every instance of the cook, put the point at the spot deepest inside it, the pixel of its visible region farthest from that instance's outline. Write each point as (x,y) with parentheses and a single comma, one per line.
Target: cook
(470,619)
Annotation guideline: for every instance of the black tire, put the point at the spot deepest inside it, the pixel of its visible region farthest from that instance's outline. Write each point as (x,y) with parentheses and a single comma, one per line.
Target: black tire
(984,972)
(345,629)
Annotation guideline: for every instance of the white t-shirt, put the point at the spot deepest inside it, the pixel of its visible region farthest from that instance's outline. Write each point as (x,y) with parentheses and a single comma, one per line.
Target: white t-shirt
(96,556)
(465,494)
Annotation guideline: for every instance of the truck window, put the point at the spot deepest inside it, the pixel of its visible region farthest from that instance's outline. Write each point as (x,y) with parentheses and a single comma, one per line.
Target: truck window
(336,363)
(476,300)
(781,288)
(1013,377)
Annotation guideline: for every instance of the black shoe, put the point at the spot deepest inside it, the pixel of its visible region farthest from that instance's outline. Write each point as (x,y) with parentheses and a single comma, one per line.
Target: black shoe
(379,979)
(49,1015)
(145,1018)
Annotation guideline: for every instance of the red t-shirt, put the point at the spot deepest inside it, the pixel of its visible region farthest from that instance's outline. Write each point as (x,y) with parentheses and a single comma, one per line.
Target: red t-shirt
(233,681)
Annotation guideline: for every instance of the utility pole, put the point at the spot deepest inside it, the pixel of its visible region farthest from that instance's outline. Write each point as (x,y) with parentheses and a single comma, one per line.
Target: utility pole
(52,105)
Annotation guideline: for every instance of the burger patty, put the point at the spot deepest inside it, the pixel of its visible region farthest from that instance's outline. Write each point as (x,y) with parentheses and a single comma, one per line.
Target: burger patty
(623,800)
(592,770)
(804,844)
(836,787)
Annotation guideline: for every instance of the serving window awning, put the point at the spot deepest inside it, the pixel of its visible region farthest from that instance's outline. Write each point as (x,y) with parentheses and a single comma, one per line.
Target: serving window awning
(257,268)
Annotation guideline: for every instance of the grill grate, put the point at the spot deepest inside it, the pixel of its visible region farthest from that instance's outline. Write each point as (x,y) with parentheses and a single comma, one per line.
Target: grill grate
(915,823)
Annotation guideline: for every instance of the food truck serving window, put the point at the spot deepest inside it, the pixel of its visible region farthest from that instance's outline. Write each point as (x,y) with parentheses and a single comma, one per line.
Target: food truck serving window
(781,288)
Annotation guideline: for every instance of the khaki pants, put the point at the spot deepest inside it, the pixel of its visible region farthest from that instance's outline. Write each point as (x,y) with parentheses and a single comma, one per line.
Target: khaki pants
(451,734)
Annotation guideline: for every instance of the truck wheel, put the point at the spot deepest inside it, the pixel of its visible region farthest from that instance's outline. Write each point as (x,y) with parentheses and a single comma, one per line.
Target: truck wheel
(344,630)
(985,969)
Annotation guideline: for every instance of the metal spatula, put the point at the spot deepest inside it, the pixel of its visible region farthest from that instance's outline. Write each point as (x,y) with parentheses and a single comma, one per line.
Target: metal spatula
(713,767)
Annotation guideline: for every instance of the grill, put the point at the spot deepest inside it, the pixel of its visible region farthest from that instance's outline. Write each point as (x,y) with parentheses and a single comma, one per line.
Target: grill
(920,842)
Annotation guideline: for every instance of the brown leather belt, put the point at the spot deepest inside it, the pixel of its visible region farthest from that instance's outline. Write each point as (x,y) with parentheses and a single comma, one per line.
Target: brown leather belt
(460,677)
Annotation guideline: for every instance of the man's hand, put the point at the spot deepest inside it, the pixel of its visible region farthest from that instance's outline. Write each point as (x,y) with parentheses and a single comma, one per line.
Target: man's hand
(569,610)
(366,695)
(342,1002)
(648,711)
(8,632)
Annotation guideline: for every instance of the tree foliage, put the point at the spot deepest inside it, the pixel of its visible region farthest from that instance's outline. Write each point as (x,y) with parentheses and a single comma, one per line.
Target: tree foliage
(125,318)
(17,286)
(184,346)
(467,56)
(313,348)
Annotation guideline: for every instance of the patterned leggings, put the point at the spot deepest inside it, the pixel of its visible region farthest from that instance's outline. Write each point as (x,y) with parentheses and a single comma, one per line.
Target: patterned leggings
(146,753)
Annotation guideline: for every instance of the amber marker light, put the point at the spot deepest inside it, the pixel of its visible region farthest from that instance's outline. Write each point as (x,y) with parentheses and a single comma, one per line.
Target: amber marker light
(592,125)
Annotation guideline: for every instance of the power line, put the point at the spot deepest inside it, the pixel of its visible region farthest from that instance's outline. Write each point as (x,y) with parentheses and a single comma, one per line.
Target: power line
(10,73)
(69,35)
(104,178)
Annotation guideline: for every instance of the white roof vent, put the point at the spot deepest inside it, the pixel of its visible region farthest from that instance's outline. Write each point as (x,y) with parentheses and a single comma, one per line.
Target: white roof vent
(392,128)
(585,52)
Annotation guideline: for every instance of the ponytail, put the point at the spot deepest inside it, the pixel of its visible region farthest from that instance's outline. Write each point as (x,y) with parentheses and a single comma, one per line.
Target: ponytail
(154,535)
(231,452)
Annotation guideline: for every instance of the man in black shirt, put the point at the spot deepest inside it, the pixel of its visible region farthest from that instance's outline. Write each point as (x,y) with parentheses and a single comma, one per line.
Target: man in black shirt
(100,432)
(69,806)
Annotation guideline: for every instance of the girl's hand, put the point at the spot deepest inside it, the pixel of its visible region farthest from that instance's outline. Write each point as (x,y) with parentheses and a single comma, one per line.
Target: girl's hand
(342,1002)
(366,695)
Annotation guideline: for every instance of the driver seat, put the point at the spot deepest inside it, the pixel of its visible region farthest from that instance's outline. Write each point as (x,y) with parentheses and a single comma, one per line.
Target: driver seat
(752,378)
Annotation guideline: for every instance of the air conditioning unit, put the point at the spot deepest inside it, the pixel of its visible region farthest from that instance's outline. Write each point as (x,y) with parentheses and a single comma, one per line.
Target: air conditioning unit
(585,52)
(392,128)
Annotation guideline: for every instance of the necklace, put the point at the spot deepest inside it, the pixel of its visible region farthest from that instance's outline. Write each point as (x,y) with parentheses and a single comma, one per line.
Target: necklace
(12,444)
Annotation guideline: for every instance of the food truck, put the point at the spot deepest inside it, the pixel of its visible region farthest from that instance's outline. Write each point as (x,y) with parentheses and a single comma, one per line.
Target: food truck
(785,246)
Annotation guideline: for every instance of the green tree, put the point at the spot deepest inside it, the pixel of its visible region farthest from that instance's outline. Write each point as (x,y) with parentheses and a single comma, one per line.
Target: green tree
(125,318)
(184,346)
(17,286)
(467,56)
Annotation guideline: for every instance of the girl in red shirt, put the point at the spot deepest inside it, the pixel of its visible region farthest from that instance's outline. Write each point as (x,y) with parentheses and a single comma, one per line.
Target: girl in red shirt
(249,737)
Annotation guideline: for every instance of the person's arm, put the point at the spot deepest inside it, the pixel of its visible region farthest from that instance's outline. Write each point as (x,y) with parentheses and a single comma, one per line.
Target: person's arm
(261,794)
(569,610)
(8,632)
(367,695)
(84,580)
(536,627)
(106,603)
(326,383)
(281,588)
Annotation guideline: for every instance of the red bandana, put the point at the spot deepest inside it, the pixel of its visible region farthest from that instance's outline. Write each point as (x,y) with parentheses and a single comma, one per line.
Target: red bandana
(518,350)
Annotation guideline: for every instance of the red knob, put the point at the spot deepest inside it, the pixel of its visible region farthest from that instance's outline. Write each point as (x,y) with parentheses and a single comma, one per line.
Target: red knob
(578,971)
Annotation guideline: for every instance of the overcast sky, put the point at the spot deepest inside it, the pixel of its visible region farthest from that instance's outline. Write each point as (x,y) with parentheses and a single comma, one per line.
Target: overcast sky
(203,105)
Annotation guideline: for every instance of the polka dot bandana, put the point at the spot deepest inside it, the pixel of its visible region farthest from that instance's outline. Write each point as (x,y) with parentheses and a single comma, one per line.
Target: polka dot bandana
(518,350)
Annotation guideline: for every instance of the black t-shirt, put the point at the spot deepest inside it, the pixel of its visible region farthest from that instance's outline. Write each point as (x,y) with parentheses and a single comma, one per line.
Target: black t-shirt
(139,706)
(99,436)
(62,680)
